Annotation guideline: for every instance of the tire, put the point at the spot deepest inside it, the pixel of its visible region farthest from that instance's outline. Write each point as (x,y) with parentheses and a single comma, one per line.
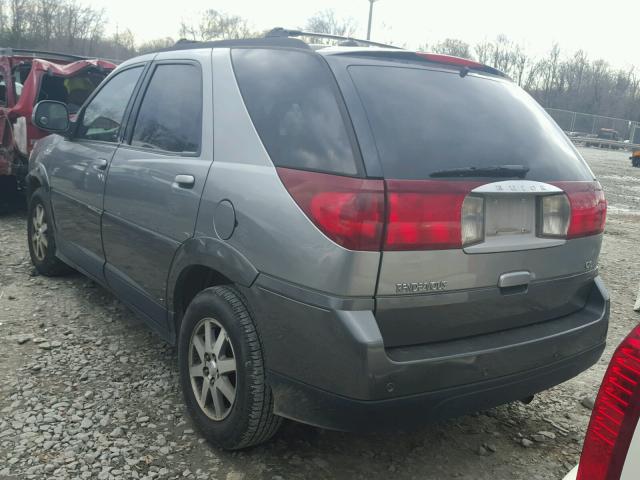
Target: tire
(248,420)
(42,243)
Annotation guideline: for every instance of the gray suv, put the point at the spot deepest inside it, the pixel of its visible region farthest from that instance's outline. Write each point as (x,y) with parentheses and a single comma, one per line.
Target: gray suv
(354,237)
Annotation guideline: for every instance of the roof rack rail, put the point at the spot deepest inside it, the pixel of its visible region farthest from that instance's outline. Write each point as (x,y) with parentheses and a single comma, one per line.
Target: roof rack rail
(9,51)
(350,41)
(282,41)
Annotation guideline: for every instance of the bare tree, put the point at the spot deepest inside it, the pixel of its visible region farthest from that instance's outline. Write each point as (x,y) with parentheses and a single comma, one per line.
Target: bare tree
(455,47)
(216,25)
(325,21)
(483,50)
(157,44)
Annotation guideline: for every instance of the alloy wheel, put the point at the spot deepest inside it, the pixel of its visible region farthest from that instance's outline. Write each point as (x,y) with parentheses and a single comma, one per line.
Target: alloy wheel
(212,369)
(39,238)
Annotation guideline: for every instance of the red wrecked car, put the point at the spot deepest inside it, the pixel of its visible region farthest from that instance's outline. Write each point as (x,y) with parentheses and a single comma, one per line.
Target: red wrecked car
(27,77)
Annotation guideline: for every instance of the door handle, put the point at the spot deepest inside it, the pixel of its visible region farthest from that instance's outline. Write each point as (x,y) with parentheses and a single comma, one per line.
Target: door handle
(100,164)
(185,181)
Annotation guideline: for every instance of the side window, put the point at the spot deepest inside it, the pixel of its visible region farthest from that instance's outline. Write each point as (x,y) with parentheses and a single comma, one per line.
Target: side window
(292,100)
(103,116)
(170,116)
(3,91)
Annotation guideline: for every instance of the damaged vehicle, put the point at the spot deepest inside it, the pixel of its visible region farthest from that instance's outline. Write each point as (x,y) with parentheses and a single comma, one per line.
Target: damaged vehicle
(26,78)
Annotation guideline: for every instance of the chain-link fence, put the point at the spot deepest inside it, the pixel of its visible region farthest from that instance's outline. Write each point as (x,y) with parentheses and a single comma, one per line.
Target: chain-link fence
(587,124)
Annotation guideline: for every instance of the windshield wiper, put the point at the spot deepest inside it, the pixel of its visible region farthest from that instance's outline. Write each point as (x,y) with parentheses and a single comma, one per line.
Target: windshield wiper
(519,171)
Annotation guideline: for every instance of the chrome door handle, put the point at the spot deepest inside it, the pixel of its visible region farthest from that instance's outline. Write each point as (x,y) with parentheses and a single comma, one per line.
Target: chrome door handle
(185,181)
(100,164)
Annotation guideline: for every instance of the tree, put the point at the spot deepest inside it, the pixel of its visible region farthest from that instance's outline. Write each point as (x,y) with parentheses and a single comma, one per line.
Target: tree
(325,21)
(216,25)
(157,44)
(452,46)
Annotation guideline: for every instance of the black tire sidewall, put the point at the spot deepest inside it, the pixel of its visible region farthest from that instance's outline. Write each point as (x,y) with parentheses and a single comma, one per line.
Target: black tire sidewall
(50,264)
(226,433)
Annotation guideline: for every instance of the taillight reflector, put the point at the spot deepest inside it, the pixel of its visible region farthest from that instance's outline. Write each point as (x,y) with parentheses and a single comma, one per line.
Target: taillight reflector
(588,208)
(425,214)
(615,414)
(350,211)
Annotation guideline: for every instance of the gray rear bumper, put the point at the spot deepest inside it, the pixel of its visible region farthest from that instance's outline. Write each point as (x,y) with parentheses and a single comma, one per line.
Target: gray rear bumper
(329,367)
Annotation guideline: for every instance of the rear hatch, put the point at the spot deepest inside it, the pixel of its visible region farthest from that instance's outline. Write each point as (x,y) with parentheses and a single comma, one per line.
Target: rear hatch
(492,219)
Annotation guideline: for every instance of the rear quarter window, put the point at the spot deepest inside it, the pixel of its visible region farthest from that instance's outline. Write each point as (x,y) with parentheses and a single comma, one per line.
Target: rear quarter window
(425,120)
(295,107)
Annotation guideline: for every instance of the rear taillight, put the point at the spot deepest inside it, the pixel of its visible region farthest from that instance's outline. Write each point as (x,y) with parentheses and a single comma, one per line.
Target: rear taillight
(472,220)
(588,208)
(615,415)
(427,214)
(350,211)
(554,215)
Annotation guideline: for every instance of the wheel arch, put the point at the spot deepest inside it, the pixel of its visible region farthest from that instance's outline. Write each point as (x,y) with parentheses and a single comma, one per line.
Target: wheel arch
(37,178)
(201,263)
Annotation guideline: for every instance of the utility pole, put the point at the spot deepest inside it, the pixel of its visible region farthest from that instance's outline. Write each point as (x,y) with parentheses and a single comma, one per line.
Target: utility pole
(371,2)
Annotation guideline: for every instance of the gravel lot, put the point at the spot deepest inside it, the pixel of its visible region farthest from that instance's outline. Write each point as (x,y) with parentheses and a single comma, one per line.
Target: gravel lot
(86,391)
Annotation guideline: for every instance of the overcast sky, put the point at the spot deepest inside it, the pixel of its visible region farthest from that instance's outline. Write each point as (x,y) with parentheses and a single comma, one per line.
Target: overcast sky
(604,29)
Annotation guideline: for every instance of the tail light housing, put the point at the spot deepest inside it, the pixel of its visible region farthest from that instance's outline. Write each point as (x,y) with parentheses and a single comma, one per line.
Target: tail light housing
(427,214)
(554,215)
(615,414)
(350,211)
(472,220)
(400,215)
(588,208)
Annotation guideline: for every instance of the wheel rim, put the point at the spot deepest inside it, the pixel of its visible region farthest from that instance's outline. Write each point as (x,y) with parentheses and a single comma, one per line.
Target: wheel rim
(212,369)
(39,239)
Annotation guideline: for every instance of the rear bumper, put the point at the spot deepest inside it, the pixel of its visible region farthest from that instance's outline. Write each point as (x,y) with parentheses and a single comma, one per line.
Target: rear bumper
(317,407)
(329,367)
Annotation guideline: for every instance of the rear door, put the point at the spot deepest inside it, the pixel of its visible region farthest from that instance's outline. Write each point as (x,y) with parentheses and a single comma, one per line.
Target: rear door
(156,179)
(467,160)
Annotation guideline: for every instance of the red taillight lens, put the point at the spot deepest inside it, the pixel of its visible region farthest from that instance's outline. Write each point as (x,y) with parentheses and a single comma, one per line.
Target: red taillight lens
(588,208)
(615,414)
(350,211)
(425,214)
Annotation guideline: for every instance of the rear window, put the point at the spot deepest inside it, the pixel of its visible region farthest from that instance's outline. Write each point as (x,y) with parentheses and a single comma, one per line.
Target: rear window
(426,121)
(291,98)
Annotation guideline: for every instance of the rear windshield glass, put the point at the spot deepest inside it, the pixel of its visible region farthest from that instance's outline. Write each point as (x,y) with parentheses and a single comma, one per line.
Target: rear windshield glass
(291,98)
(425,121)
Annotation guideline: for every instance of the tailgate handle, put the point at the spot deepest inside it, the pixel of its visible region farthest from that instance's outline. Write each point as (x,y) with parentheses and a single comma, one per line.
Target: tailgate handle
(514,279)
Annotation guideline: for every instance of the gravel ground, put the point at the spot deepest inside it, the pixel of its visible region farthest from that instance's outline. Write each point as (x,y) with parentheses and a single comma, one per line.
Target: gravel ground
(86,391)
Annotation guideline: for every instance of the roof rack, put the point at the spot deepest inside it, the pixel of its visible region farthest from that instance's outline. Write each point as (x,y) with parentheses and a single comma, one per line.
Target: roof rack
(184,44)
(280,32)
(9,51)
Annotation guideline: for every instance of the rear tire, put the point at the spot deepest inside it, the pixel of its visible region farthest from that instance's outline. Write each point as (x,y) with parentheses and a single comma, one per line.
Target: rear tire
(245,417)
(42,242)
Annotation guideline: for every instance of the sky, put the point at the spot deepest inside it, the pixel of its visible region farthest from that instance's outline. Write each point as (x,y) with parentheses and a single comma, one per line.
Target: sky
(608,30)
